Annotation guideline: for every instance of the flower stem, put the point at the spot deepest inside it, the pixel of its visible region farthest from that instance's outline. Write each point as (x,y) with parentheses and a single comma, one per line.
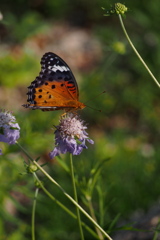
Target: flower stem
(62,206)
(71,199)
(24,151)
(33,214)
(94,217)
(136,52)
(156,234)
(76,198)
(65,193)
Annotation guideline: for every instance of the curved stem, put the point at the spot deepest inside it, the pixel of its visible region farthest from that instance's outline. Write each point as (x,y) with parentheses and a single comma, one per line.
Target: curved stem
(76,198)
(155,237)
(71,199)
(62,206)
(94,217)
(64,192)
(33,214)
(136,52)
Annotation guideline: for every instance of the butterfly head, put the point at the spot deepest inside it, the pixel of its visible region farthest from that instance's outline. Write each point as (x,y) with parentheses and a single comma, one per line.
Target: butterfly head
(80,105)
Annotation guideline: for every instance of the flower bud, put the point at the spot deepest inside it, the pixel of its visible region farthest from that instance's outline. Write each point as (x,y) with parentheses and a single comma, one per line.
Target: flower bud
(120,8)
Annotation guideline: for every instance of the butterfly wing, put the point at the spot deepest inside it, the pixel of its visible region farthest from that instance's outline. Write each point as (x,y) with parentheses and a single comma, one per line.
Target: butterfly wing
(61,71)
(55,88)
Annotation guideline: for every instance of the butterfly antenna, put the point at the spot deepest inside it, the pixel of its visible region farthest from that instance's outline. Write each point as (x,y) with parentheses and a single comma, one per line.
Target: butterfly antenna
(95,96)
(98,110)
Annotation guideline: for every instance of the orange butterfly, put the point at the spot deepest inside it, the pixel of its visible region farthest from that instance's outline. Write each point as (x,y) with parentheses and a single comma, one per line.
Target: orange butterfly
(55,88)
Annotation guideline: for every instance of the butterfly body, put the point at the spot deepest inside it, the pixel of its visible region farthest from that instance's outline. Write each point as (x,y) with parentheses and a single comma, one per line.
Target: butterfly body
(55,88)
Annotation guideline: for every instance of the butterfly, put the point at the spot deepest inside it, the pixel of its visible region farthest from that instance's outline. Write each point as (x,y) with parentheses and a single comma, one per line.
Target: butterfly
(55,88)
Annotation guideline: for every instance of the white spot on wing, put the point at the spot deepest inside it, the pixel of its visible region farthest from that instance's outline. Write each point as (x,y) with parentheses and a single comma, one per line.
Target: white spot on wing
(60,68)
(65,68)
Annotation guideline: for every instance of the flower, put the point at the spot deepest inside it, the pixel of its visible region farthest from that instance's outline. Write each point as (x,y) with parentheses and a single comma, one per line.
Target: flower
(9,128)
(70,136)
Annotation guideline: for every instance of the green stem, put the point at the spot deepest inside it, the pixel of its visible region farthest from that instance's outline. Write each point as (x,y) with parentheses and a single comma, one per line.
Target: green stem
(62,206)
(33,214)
(65,193)
(24,151)
(72,200)
(75,197)
(52,197)
(94,217)
(156,234)
(136,52)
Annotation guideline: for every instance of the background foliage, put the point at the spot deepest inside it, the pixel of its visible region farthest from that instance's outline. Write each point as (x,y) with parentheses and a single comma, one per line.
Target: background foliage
(126,132)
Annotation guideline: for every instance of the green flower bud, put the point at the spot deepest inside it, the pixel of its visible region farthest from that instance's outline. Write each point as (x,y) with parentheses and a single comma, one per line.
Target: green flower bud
(119,47)
(120,8)
(37,184)
(32,168)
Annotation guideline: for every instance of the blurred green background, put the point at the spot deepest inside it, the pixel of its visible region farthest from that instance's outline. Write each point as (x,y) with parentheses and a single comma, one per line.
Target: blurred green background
(126,131)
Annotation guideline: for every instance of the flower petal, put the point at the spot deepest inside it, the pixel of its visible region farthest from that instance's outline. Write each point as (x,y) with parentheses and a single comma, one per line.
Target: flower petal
(90,141)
